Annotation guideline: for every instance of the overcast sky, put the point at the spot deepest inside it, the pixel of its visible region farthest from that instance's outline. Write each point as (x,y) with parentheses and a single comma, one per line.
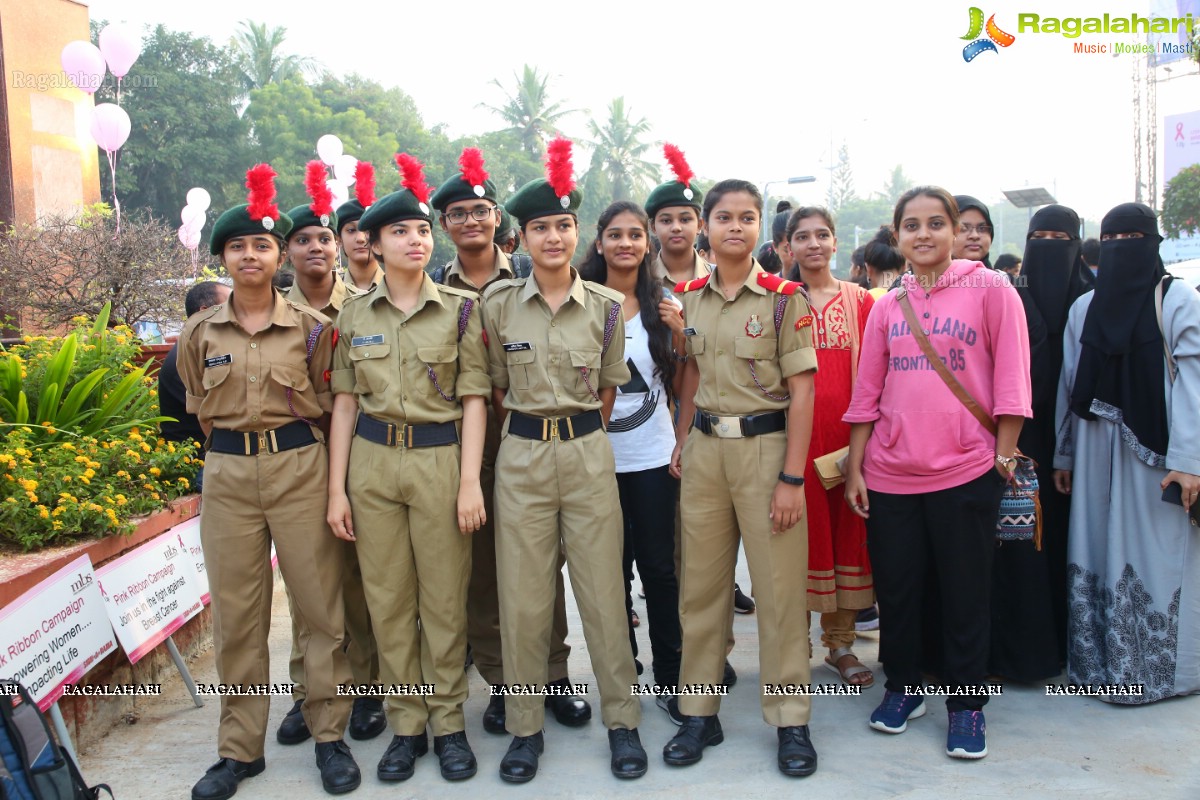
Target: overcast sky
(760,90)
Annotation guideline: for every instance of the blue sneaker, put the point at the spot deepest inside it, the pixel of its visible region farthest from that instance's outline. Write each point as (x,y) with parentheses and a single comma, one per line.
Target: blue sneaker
(892,715)
(965,738)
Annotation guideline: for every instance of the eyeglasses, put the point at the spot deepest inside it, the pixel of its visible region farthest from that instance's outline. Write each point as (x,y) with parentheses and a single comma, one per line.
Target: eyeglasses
(982,230)
(477,214)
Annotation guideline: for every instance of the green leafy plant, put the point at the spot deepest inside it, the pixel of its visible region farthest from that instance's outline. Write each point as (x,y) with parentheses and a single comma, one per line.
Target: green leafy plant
(1181,203)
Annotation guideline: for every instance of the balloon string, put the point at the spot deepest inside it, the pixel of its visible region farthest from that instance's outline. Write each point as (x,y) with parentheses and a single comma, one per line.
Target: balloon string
(118,91)
(112,169)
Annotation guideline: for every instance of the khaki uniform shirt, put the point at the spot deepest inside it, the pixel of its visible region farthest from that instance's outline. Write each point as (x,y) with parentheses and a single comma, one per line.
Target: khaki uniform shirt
(386,357)
(341,290)
(375,281)
(238,381)
(548,361)
(659,270)
(726,337)
(501,270)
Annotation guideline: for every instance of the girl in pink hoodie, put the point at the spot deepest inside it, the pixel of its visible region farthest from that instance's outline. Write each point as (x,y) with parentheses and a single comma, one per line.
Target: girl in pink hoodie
(923,472)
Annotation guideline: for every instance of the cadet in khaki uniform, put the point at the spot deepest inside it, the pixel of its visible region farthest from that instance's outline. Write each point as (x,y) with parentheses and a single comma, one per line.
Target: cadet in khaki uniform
(409,365)
(255,373)
(469,214)
(674,211)
(748,387)
(362,272)
(312,250)
(556,349)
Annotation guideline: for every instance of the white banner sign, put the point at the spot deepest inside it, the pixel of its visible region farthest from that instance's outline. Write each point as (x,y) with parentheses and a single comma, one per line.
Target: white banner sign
(150,592)
(189,535)
(54,633)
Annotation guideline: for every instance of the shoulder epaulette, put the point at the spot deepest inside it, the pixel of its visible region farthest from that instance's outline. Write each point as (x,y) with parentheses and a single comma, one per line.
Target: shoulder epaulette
(311,312)
(444,289)
(604,291)
(500,285)
(774,283)
(692,285)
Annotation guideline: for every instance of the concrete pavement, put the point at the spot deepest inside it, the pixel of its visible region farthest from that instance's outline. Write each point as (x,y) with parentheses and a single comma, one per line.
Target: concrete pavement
(1040,747)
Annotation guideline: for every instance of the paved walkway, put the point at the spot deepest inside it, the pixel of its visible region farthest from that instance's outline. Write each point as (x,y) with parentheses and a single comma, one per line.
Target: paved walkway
(1041,747)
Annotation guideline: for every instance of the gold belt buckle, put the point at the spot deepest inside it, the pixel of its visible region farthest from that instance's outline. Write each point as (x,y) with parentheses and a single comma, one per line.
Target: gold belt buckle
(724,427)
(408,435)
(553,423)
(570,428)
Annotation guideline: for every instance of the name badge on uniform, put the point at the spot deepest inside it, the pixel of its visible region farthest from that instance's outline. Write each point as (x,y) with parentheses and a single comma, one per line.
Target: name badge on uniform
(689,331)
(516,347)
(218,361)
(362,341)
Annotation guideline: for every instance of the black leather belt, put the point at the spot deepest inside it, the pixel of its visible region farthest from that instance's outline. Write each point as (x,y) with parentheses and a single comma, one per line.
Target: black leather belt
(734,427)
(434,434)
(250,443)
(547,428)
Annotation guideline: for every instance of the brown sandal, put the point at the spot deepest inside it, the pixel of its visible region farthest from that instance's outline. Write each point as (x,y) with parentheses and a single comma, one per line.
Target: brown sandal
(850,673)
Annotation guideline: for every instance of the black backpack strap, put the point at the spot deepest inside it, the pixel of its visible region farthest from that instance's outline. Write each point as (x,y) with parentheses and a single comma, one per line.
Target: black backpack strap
(439,274)
(522,265)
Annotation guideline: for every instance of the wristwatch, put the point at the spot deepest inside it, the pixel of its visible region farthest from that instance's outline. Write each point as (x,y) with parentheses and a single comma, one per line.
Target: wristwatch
(1009,463)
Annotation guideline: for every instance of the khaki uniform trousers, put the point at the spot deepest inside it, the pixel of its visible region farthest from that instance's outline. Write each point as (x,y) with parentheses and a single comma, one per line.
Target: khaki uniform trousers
(483,600)
(415,566)
(250,501)
(727,485)
(729,640)
(552,496)
(360,641)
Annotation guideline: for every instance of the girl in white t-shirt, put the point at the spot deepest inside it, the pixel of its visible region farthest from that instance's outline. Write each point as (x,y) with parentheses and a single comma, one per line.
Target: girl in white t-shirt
(641,428)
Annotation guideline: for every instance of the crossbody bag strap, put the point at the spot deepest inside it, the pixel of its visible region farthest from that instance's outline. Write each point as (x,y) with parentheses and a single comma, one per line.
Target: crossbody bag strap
(1158,314)
(940,367)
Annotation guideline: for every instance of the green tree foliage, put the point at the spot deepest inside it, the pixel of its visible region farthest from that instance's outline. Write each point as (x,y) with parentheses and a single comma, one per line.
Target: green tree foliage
(841,186)
(898,183)
(619,150)
(528,110)
(186,130)
(1181,203)
(260,60)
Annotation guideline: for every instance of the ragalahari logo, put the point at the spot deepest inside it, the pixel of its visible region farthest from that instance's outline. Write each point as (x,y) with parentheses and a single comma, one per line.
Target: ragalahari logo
(978,44)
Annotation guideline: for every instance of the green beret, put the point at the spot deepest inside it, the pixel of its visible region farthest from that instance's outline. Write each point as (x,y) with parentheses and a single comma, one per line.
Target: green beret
(303,217)
(673,193)
(236,222)
(537,199)
(504,228)
(394,207)
(457,189)
(350,211)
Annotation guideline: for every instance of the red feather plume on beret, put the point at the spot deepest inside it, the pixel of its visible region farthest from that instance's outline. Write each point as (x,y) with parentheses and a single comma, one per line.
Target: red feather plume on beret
(559,170)
(471,163)
(679,164)
(412,177)
(260,183)
(315,183)
(364,183)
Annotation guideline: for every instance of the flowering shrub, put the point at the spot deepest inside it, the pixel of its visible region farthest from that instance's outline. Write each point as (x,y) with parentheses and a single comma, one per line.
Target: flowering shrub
(79,455)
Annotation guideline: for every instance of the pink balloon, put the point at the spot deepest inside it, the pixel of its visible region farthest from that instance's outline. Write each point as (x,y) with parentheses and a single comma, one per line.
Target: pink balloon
(190,215)
(120,46)
(84,65)
(110,126)
(189,238)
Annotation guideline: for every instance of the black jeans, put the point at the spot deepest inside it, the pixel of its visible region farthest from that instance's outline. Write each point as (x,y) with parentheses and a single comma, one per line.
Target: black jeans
(951,532)
(648,504)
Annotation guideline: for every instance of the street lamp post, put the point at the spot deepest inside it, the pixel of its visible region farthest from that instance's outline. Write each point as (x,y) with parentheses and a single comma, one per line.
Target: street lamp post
(766,192)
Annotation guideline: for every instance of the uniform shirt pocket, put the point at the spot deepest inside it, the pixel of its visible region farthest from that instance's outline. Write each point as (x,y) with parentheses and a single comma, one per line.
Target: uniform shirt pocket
(220,395)
(694,344)
(370,364)
(521,367)
(761,351)
(585,359)
(443,360)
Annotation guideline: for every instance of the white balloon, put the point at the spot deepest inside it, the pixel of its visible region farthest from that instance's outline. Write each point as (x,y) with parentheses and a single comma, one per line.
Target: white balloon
(189,214)
(329,147)
(193,240)
(199,198)
(343,169)
(340,193)
(196,223)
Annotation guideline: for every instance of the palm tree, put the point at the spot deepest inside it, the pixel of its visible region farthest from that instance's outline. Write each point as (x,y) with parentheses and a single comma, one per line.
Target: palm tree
(528,112)
(260,61)
(619,151)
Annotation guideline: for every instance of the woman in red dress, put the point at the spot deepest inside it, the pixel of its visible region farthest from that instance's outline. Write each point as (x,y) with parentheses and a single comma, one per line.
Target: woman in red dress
(839,571)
